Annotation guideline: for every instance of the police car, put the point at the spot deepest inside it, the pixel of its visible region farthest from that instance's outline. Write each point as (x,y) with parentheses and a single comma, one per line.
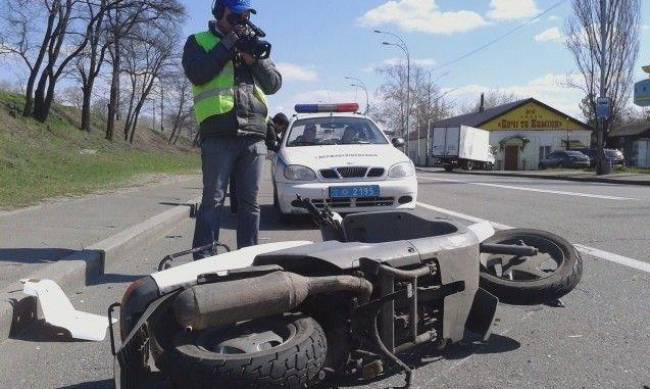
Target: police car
(335,156)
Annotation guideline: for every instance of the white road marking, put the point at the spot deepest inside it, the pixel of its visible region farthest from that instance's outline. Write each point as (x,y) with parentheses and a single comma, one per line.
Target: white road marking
(463,216)
(621,260)
(522,188)
(594,252)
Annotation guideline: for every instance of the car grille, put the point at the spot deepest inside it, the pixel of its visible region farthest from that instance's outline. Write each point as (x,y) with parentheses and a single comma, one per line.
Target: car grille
(330,174)
(356,203)
(352,172)
(376,172)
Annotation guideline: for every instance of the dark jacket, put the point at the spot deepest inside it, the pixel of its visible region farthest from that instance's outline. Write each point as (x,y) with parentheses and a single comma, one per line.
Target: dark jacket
(250,115)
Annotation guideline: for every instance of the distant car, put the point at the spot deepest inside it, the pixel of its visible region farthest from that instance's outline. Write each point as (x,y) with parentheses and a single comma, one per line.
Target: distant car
(565,159)
(615,157)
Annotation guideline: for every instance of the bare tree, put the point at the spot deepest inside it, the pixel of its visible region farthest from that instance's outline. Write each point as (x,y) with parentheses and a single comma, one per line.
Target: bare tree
(604,39)
(19,37)
(145,60)
(121,22)
(90,61)
(179,89)
(428,102)
(392,94)
(491,98)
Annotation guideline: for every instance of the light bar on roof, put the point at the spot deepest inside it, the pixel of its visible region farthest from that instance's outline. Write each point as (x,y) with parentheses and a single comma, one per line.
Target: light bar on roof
(324,108)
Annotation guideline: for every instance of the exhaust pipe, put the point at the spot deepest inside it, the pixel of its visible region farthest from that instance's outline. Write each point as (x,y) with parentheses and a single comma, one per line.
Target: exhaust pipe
(213,305)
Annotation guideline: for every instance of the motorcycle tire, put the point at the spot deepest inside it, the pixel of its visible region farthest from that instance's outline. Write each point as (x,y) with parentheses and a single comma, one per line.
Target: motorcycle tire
(292,364)
(557,284)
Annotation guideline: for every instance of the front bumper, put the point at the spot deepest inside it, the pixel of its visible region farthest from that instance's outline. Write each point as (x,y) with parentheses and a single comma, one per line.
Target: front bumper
(397,194)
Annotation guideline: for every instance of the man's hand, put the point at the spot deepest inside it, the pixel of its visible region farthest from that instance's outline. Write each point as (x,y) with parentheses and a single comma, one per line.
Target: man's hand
(247,58)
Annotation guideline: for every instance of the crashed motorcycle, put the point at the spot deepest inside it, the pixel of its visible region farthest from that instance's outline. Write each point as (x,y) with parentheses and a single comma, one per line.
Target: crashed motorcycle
(301,314)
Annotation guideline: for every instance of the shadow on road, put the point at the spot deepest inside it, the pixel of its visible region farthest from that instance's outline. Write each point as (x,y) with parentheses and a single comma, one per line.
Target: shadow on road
(41,332)
(40,255)
(270,220)
(103,384)
(496,345)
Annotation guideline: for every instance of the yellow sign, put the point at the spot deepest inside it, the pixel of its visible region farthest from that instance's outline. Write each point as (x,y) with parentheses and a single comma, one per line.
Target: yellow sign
(532,117)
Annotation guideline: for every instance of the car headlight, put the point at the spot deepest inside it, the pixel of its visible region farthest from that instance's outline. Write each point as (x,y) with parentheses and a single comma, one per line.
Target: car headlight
(299,173)
(401,170)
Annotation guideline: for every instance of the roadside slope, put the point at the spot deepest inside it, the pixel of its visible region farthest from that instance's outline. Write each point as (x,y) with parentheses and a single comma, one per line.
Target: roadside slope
(40,161)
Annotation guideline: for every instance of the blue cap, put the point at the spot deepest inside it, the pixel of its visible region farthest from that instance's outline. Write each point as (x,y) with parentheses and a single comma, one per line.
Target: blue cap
(238,6)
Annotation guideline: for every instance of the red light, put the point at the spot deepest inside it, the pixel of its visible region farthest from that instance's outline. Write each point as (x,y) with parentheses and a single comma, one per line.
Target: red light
(348,107)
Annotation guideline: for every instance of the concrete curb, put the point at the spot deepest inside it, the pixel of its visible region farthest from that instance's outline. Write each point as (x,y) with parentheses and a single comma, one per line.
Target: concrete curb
(545,177)
(18,310)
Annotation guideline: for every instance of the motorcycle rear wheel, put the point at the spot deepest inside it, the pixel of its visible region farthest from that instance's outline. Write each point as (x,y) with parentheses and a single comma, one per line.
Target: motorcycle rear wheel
(550,275)
(286,352)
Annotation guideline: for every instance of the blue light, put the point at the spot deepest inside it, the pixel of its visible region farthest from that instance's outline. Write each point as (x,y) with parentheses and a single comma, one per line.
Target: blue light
(307,108)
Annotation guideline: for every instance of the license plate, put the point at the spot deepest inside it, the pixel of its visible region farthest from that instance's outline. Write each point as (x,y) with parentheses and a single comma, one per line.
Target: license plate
(355,192)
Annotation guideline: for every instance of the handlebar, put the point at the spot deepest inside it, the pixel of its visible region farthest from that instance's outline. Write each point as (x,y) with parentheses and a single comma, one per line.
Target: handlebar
(325,219)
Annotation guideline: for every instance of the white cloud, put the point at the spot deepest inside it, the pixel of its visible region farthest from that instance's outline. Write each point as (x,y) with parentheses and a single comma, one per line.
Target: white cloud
(551,35)
(551,89)
(291,72)
(553,18)
(422,16)
(645,27)
(505,10)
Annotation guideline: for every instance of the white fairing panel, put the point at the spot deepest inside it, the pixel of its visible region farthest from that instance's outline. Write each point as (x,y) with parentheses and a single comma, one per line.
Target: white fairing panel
(483,230)
(59,312)
(186,275)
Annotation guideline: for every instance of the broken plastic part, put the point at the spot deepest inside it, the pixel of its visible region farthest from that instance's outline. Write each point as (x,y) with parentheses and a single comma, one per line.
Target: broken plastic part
(59,312)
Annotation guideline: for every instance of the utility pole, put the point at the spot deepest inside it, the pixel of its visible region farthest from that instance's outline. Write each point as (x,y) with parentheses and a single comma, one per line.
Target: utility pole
(402,45)
(603,166)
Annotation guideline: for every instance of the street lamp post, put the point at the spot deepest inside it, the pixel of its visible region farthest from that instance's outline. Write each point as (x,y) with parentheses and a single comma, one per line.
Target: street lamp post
(402,45)
(358,83)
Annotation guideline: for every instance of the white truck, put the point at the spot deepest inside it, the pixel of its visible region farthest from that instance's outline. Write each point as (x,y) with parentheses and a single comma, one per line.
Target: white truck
(464,147)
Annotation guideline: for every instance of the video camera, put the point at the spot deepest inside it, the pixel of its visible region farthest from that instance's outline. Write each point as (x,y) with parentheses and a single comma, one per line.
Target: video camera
(250,34)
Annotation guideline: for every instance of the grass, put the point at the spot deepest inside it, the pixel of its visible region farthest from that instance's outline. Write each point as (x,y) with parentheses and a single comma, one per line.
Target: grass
(40,161)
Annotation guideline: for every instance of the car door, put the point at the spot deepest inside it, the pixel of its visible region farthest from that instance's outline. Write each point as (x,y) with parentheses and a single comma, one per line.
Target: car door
(552,160)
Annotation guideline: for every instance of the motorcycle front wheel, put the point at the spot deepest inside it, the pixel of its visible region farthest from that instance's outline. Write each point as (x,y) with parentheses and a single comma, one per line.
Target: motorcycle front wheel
(519,280)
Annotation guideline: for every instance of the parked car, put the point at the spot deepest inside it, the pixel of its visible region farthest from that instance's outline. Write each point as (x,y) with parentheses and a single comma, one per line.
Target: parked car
(565,159)
(615,157)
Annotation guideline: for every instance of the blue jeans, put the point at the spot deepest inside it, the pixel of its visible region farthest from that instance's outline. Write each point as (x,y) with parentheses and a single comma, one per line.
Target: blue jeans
(243,157)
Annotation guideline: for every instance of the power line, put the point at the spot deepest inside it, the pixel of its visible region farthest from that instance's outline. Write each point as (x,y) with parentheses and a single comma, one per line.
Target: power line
(501,37)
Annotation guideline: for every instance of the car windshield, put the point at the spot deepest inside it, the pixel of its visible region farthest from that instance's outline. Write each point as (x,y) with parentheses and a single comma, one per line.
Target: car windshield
(335,131)
(612,153)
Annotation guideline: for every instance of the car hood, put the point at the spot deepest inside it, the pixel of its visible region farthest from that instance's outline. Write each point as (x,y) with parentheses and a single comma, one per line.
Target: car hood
(324,157)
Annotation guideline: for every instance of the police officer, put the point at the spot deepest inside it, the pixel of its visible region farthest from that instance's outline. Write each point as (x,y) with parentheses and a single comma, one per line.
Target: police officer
(230,105)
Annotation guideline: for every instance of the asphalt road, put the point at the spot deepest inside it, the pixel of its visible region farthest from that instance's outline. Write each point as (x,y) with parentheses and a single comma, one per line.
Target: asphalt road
(601,339)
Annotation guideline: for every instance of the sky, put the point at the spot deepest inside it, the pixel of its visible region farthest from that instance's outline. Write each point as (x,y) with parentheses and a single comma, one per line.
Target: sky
(317,43)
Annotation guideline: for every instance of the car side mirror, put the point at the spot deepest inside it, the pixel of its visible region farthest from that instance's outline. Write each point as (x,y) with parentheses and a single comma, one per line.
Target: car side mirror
(398,142)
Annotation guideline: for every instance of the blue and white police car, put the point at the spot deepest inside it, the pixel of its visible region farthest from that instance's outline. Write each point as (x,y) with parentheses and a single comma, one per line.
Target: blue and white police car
(336,156)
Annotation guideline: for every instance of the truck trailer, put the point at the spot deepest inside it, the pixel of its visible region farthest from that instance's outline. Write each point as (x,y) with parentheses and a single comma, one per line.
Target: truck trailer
(465,147)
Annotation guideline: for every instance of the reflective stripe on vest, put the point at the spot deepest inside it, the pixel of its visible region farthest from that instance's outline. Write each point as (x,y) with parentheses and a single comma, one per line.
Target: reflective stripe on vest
(217,96)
